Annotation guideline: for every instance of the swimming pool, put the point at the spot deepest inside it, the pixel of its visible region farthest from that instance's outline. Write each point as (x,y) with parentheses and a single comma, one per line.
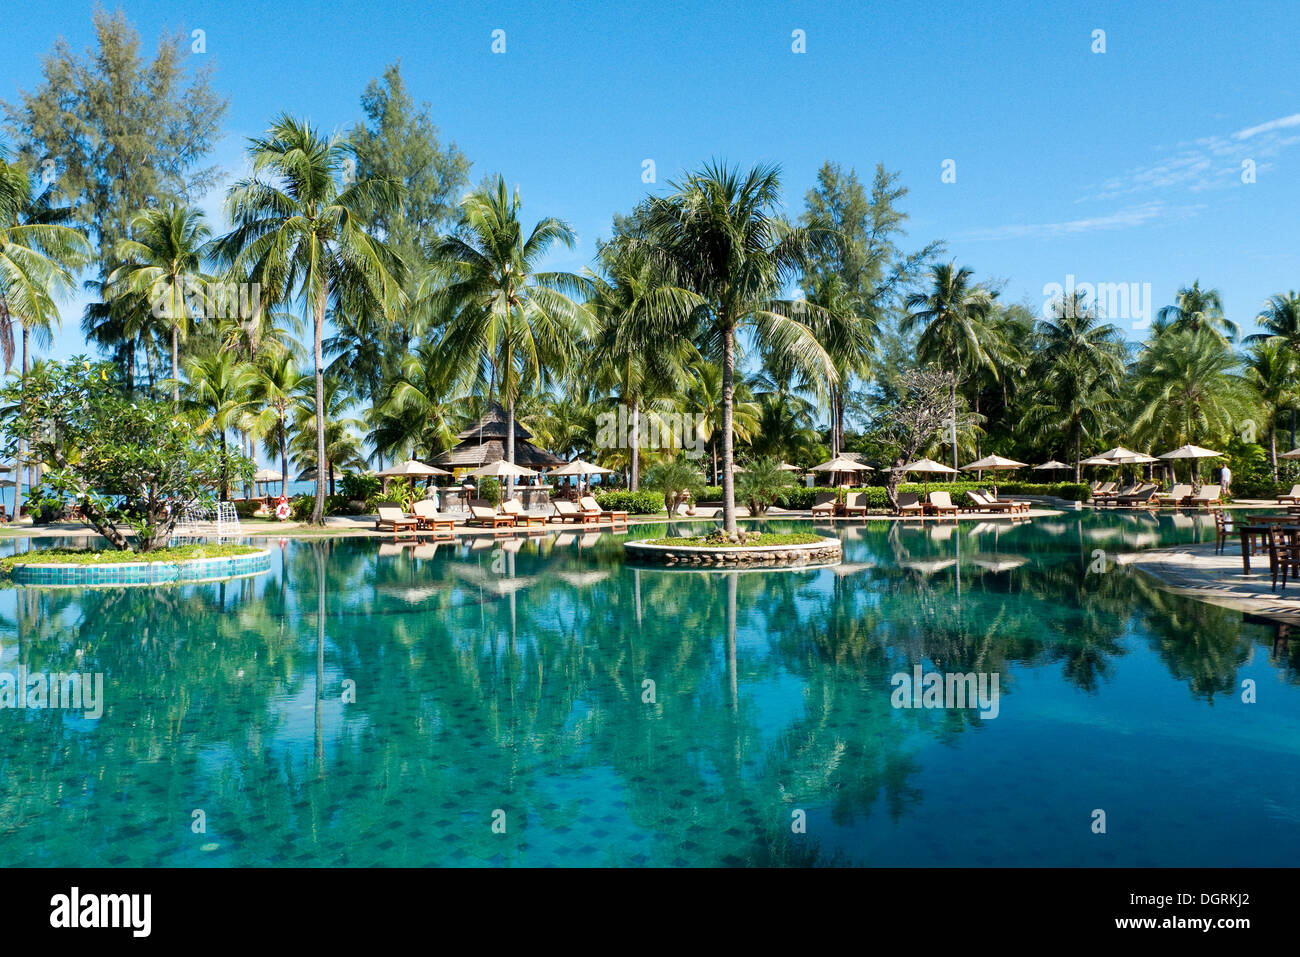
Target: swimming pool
(542,703)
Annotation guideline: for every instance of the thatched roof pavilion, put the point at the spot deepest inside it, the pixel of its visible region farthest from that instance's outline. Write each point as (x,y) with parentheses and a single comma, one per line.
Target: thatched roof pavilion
(484,442)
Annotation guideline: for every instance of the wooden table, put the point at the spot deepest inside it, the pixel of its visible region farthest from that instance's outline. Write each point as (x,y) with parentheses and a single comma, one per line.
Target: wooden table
(1257,531)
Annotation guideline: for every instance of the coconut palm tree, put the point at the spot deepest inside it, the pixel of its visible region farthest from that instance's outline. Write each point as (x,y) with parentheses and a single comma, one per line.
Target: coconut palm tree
(509,325)
(342,444)
(163,263)
(1280,318)
(954,331)
(420,414)
(217,389)
(297,234)
(1076,371)
(640,337)
(703,397)
(1271,372)
(275,387)
(1188,387)
(38,255)
(1196,308)
(719,235)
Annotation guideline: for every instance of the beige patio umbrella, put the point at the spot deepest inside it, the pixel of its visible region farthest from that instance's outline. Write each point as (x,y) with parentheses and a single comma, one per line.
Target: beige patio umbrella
(994,463)
(1051,466)
(787,467)
(1191,452)
(411,468)
(927,467)
(266,476)
(1293,454)
(579,467)
(842,465)
(502,469)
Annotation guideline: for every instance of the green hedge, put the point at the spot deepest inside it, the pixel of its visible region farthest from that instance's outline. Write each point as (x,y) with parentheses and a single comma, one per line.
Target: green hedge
(877,498)
(635,503)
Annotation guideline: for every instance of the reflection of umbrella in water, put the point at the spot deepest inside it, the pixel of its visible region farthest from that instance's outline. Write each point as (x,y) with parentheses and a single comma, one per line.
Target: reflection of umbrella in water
(583,578)
(999,562)
(931,565)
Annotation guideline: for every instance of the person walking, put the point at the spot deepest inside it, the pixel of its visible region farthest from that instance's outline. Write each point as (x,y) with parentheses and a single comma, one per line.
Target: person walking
(1225,480)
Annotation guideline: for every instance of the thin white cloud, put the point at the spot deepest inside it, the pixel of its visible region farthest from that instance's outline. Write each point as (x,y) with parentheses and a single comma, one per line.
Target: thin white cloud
(1141,215)
(1211,162)
(1279,124)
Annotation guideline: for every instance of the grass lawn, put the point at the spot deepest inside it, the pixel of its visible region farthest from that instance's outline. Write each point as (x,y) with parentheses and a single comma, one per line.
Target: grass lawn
(700,541)
(89,556)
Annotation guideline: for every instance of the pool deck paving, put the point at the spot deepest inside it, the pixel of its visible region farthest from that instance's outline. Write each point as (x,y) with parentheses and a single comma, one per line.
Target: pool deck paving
(1200,572)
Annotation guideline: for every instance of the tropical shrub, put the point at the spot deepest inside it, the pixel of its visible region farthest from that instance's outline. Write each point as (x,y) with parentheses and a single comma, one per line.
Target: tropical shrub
(133,464)
(634,503)
(358,485)
(762,482)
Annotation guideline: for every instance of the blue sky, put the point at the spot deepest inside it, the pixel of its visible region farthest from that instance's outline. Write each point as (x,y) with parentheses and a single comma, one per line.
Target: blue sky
(1122,166)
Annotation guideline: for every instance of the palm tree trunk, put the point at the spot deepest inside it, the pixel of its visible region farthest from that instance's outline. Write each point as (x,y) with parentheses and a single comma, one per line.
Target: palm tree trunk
(1272,449)
(318,320)
(284,460)
(728,395)
(634,480)
(952,395)
(510,449)
(222,434)
(18,462)
(176,367)
(1077,467)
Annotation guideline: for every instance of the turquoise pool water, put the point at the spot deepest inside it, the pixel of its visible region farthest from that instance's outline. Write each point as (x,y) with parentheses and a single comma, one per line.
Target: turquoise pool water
(506,685)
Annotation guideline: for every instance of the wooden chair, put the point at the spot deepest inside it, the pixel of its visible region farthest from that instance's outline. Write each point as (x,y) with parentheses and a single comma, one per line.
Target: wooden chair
(1222,529)
(1283,554)
(483,514)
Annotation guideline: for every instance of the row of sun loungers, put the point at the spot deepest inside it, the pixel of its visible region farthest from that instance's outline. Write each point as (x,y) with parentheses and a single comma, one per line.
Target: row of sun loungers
(425,516)
(1148,494)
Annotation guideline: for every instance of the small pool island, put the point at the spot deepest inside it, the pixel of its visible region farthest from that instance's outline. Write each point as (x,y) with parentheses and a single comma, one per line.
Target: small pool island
(795,549)
(88,567)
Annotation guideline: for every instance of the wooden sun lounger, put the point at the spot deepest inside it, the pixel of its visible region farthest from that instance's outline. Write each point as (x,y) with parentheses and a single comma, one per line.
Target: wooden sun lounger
(483,514)
(941,502)
(1291,498)
(589,504)
(516,511)
(910,504)
(394,519)
(1209,495)
(983,503)
(824,504)
(1142,496)
(428,517)
(570,512)
(1175,496)
(853,504)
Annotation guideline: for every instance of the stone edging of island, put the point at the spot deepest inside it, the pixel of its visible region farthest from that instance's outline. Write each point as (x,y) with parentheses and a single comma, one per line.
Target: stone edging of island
(827,551)
(119,574)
